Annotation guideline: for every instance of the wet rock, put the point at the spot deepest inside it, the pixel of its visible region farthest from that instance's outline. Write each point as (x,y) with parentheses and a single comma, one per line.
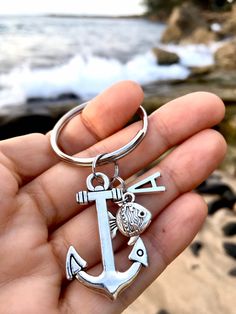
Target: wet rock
(226,202)
(225,56)
(172,34)
(230,249)
(61,97)
(229,26)
(165,57)
(201,35)
(183,21)
(232,272)
(229,229)
(27,124)
(201,70)
(196,247)
(214,188)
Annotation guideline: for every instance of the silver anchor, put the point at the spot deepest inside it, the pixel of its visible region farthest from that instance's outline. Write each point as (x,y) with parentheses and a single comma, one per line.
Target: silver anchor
(110,281)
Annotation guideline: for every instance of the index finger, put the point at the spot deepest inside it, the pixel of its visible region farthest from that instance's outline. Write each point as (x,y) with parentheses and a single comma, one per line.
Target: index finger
(31,155)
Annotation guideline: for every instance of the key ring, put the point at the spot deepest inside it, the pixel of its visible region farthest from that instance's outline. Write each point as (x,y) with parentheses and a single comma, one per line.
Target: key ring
(106,158)
(131,219)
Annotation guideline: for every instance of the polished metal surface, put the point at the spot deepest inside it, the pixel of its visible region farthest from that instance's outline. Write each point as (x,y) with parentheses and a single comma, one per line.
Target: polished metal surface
(105,158)
(111,281)
(139,187)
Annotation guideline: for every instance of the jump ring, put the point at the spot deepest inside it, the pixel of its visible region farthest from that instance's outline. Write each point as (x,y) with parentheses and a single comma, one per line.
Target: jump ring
(106,158)
(94,165)
(120,180)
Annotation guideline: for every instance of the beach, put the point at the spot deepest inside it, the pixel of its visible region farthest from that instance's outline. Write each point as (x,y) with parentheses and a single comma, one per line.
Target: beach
(202,279)
(46,71)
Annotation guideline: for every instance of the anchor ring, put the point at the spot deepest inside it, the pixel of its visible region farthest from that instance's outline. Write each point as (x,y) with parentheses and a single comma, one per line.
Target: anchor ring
(106,158)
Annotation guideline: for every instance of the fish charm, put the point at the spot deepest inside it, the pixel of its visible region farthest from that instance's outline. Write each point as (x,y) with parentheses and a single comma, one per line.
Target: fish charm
(131,220)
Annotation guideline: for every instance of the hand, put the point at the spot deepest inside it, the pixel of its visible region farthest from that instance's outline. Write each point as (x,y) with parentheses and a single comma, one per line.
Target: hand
(39,218)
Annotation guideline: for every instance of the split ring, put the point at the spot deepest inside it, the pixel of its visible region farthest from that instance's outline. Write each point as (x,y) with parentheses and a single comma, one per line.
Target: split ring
(95,164)
(106,158)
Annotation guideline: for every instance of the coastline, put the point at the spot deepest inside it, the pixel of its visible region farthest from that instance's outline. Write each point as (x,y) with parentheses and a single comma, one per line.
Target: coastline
(209,273)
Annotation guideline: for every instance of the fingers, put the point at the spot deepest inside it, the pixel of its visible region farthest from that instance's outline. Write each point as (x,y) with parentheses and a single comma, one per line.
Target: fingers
(103,116)
(168,126)
(182,170)
(165,239)
(28,156)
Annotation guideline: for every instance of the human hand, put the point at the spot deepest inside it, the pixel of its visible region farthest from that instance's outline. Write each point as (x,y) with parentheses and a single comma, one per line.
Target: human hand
(39,218)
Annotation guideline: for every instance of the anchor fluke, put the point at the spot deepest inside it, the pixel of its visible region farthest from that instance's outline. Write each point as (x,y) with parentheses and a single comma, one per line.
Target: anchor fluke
(74,263)
(139,253)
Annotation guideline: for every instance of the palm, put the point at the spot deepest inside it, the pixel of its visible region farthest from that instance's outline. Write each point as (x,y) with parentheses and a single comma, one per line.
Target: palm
(40,219)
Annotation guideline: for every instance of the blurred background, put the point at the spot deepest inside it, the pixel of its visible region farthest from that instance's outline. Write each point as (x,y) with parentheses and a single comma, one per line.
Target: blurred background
(56,54)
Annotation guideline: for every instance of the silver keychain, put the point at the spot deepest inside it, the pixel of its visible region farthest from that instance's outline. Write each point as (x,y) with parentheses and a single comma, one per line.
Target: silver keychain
(131,218)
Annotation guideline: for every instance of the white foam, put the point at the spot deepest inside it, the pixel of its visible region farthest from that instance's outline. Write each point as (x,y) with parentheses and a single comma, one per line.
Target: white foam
(86,77)
(83,77)
(195,55)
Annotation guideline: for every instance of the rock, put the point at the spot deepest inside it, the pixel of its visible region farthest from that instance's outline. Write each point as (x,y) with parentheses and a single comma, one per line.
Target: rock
(214,188)
(201,70)
(27,124)
(229,229)
(172,34)
(201,35)
(165,57)
(61,97)
(229,26)
(196,247)
(225,56)
(183,21)
(36,116)
(230,249)
(232,272)
(226,202)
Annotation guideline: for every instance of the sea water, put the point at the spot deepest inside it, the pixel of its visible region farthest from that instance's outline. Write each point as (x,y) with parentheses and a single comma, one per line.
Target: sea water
(45,57)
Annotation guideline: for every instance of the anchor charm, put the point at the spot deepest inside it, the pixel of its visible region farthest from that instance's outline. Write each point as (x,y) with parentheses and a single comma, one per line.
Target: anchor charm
(110,281)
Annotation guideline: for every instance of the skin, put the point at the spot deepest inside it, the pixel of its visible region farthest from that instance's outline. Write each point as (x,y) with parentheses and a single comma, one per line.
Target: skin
(39,217)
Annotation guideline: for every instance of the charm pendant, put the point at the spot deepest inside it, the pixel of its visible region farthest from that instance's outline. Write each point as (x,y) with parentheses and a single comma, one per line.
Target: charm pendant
(131,220)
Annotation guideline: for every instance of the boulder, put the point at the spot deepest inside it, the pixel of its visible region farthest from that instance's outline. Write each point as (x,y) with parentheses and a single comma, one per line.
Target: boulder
(183,21)
(165,57)
(225,56)
(201,35)
(229,26)
(172,34)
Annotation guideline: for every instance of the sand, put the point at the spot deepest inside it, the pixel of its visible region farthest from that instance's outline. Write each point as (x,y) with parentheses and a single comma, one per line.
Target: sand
(196,284)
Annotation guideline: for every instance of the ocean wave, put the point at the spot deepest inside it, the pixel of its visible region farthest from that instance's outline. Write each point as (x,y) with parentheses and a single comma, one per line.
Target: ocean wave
(86,77)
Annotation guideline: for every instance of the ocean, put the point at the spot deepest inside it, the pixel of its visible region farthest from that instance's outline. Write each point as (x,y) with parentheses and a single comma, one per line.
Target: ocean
(46,57)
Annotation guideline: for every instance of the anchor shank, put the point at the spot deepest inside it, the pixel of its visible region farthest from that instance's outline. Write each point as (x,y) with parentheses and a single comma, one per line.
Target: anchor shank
(104,233)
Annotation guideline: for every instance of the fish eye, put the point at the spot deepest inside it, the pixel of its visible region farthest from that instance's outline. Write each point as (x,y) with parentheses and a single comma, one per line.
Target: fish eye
(142,214)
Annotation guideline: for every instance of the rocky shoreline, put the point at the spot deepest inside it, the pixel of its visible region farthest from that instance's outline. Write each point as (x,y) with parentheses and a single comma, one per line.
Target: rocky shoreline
(190,26)
(202,280)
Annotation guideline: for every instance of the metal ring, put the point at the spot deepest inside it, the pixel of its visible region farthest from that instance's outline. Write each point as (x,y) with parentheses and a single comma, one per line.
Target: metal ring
(94,165)
(121,181)
(106,158)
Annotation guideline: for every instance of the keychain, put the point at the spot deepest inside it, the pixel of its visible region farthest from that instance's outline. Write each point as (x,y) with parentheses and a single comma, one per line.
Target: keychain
(131,218)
